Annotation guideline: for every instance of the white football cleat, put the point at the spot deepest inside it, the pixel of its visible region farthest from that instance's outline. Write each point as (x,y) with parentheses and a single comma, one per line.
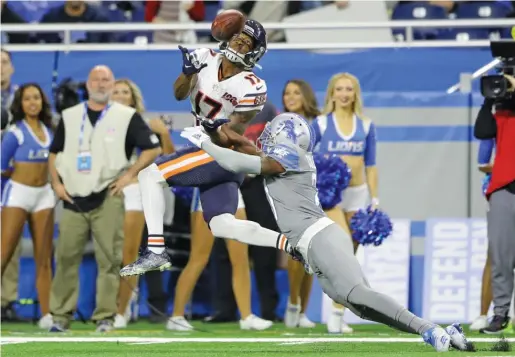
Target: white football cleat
(438,338)
(479,323)
(252,322)
(178,323)
(458,339)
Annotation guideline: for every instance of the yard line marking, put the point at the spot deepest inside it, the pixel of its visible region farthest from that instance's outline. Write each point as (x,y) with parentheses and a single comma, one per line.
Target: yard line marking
(146,343)
(228,340)
(295,343)
(12,343)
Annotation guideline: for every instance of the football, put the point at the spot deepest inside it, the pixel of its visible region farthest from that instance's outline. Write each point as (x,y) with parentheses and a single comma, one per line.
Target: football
(227,24)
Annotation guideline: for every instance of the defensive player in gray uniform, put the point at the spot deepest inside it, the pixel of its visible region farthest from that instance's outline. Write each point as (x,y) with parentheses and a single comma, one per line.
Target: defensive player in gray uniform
(287,162)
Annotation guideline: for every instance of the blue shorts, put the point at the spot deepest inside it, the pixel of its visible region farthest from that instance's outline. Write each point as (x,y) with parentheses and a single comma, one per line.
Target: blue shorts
(193,167)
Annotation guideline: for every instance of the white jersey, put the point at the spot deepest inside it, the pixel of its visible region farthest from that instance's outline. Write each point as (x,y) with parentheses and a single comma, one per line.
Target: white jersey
(215,99)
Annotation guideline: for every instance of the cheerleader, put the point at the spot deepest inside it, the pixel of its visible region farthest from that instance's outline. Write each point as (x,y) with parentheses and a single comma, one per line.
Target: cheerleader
(298,97)
(128,93)
(484,158)
(343,130)
(28,196)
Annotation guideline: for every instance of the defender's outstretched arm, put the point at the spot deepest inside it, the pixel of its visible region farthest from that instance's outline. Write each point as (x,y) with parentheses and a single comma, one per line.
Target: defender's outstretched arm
(239,162)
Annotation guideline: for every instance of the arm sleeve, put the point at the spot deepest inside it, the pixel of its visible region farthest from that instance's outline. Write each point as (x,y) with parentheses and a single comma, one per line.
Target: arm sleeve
(485,126)
(233,161)
(370,146)
(58,142)
(286,156)
(139,135)
(484,154)
(10,144)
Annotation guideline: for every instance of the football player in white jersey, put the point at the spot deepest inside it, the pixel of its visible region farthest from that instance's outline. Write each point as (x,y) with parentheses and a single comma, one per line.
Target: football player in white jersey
(221,87)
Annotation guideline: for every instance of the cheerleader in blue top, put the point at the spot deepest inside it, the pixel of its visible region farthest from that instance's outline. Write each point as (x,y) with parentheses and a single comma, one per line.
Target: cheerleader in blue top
(344,131)
(484,158)
(28,196)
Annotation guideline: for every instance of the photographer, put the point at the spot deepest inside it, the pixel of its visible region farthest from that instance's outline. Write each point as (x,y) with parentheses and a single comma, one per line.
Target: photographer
(501,195)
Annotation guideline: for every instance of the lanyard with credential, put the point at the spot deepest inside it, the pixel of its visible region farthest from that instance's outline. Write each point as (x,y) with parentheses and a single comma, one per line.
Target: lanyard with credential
(85,117)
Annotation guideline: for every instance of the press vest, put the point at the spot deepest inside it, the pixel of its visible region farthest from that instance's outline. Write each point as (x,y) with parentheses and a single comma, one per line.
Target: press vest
(105,142)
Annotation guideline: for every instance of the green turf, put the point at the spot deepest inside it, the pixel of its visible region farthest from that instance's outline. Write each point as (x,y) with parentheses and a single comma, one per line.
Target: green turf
(216,340)
(227,349)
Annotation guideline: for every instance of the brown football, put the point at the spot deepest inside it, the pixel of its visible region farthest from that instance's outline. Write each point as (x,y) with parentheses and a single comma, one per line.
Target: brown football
(227,24)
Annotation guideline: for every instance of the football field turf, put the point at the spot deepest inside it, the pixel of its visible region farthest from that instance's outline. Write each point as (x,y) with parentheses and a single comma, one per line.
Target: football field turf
(143,339)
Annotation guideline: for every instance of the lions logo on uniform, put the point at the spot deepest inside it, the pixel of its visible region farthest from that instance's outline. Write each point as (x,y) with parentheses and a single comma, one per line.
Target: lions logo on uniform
(289,129)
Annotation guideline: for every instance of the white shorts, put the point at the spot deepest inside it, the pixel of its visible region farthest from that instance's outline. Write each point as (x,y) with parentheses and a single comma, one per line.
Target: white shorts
(355,198)
(196,206)
(132,201)
(31,199)
(132,198)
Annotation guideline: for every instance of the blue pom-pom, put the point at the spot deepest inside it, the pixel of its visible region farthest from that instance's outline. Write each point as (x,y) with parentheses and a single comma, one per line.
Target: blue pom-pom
(185,194)
(486,182)
(333,176)
(370,226)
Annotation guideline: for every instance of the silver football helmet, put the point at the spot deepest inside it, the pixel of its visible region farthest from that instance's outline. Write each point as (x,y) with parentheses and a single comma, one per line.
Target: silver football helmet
(287,128)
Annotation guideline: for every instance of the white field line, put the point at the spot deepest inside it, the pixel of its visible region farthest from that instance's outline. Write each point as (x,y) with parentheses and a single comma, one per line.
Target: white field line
(150,340)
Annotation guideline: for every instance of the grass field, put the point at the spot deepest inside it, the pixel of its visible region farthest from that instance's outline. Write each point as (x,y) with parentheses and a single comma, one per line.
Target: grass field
(143,339)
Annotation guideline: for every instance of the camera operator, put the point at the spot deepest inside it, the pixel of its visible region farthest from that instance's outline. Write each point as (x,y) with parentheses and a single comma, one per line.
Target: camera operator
(496,119)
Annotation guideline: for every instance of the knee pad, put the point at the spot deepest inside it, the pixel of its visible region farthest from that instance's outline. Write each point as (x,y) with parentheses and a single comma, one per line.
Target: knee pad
(152,174)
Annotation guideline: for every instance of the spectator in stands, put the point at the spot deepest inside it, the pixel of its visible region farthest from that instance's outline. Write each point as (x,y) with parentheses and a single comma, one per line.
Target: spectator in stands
(11,17)
(33,11)
(28,195)
(128,93)
(90,166)
(174,12)
(75,12)
(298,97)
(264,260)
(275,11)
(9,290)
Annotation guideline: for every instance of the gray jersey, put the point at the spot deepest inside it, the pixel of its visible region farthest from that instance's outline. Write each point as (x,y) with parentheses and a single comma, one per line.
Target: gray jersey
(293,195)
